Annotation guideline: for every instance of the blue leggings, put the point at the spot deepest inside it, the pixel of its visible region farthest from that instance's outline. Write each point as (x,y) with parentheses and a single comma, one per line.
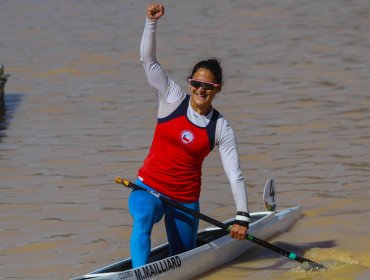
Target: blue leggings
(146,210)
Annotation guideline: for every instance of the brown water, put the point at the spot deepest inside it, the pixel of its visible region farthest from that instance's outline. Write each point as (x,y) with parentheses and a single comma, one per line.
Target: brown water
(79,113)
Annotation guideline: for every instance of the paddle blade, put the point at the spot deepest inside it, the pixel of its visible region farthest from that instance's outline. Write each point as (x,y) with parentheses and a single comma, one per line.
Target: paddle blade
(269,195)
(313,266)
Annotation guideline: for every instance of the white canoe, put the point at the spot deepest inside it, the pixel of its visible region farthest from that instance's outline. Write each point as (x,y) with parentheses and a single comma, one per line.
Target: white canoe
(214,249)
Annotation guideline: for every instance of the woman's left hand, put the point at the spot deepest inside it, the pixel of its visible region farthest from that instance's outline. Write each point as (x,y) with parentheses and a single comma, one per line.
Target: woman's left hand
(238,232)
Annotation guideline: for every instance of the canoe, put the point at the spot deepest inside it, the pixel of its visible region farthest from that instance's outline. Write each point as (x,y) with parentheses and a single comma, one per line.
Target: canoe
(214,248)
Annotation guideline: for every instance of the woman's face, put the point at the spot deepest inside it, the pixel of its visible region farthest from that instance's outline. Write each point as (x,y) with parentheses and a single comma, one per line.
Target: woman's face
(201,96)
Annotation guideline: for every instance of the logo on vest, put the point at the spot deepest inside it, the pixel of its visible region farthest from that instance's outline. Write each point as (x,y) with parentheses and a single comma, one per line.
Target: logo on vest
(186,136)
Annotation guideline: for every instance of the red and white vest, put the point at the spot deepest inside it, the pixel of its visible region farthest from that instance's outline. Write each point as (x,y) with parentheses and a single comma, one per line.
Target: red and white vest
(173,166)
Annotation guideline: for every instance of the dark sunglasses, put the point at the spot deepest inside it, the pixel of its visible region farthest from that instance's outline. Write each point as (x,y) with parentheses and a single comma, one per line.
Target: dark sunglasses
(205,85)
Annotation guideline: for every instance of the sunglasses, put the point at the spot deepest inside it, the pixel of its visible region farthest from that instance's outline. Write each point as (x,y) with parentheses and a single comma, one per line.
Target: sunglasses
(204,85)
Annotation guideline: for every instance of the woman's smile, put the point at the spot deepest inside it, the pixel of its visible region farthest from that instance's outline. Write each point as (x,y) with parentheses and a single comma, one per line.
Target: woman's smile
(201,95)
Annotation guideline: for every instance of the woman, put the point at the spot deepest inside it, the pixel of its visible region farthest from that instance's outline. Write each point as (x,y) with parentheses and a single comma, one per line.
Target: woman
(188,128)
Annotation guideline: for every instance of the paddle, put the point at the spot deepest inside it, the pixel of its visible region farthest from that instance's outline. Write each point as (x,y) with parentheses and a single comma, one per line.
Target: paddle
(281,251)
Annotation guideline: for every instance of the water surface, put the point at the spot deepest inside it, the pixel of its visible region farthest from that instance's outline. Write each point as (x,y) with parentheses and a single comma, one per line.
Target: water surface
(79,112)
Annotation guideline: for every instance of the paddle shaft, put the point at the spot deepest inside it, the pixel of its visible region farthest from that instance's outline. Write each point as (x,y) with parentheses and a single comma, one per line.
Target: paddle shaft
(221,225)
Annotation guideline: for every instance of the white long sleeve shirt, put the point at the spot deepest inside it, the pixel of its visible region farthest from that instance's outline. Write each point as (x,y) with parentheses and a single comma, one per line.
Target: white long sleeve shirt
(170,96)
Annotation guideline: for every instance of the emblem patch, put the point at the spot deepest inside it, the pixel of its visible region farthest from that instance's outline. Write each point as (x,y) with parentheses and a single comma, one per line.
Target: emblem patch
(186,136)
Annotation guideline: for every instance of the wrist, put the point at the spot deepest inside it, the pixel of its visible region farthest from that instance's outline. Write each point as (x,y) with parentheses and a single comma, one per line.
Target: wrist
(150,19)
(242,219)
